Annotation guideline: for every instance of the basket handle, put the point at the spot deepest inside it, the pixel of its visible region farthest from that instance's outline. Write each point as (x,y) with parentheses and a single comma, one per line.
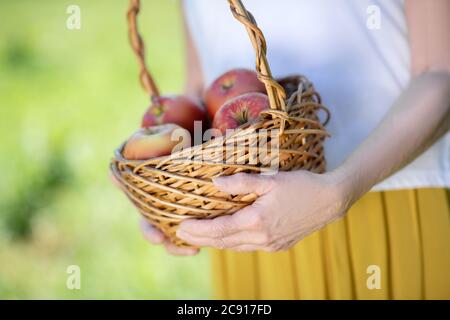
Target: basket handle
(138,47)
(274,90)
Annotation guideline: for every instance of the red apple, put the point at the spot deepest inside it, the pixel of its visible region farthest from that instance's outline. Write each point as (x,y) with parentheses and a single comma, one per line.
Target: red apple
(240,110)
(156,141)
(180,110)
(230,85)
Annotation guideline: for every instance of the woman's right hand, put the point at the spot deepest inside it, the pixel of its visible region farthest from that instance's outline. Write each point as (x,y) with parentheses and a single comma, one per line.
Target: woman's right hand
(156,237)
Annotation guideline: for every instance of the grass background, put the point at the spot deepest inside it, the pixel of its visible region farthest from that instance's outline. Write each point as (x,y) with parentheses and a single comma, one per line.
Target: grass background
(67,99)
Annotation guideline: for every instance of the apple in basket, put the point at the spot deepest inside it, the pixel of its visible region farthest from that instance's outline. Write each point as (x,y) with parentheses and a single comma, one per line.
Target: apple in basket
(177,109)
(230,85)
(156,141)
(240,110)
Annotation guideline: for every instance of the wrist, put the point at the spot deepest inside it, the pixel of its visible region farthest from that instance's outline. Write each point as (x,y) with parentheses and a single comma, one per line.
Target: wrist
(348,185)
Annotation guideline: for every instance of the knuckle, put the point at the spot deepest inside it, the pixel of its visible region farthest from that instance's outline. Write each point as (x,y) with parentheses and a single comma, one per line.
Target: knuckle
(265,238)
(219,229)
(220,243)
(256,221)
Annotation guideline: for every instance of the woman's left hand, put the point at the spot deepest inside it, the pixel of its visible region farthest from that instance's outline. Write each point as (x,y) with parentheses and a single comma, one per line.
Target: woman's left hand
(290,206)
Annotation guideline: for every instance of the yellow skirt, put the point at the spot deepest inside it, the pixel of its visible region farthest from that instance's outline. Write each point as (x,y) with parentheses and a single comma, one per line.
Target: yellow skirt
(391,245)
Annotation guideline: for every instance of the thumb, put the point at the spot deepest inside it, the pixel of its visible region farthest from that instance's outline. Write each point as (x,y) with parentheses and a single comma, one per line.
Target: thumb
(244,183)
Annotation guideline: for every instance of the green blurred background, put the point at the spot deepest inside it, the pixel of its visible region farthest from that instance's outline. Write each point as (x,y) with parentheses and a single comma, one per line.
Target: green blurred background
(67,99)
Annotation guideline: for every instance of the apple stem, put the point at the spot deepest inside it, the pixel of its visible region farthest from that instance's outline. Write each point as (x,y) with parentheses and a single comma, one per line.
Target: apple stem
(244,116)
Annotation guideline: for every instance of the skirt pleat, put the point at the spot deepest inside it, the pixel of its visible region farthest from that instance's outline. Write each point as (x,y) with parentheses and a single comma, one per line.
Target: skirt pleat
(310,268)
(369,247)
(435,234)
(405,264)
(276,276)
(390,245)
(242,275)
(338,266)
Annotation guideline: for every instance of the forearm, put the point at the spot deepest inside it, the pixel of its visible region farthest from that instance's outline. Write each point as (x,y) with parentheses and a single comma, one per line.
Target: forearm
(418,118)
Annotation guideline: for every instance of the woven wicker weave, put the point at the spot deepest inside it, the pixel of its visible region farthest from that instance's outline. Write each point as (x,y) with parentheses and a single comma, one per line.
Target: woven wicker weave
(167,190)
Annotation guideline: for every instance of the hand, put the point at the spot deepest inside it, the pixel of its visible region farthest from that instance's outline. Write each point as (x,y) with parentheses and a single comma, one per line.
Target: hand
(290,206)
(156,237)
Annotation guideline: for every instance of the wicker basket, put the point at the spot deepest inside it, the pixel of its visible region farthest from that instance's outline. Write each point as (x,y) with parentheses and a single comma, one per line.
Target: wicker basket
(167,190)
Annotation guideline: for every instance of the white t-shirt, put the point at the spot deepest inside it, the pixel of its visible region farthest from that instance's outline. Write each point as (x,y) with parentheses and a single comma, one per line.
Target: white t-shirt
(358,63)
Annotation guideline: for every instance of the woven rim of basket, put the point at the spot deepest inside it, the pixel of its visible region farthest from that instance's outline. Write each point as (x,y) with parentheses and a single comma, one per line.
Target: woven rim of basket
(152,185)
